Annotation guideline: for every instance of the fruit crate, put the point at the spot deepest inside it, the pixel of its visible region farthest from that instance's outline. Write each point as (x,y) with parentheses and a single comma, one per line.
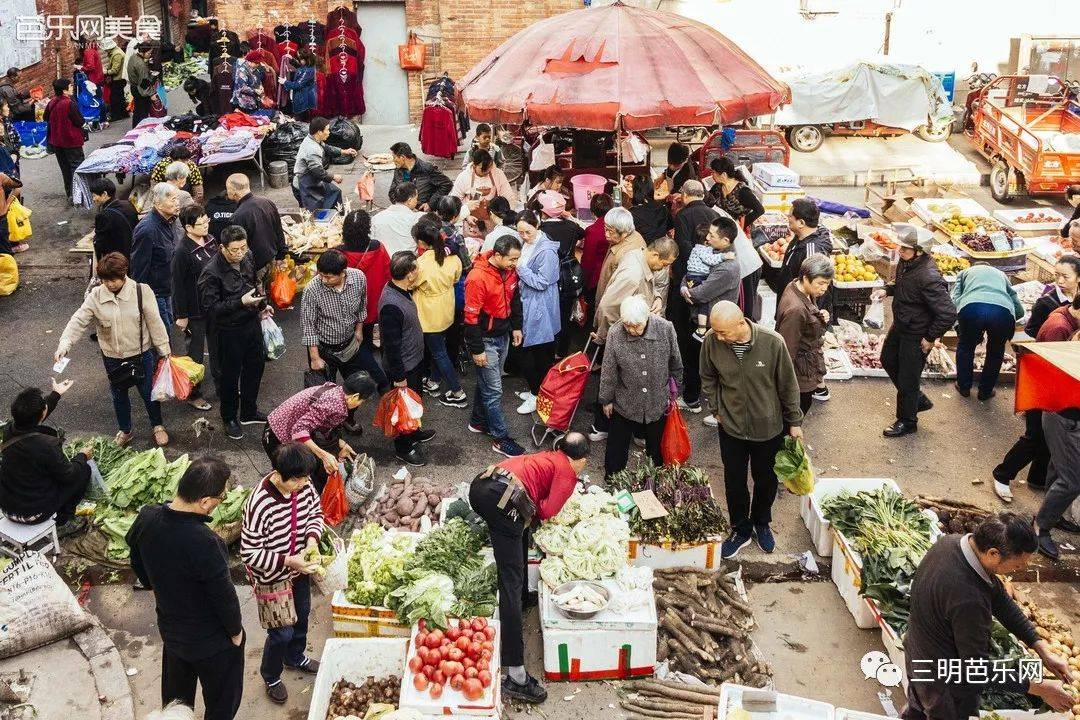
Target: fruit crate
(1011,218)
(1039,268)
(354,660)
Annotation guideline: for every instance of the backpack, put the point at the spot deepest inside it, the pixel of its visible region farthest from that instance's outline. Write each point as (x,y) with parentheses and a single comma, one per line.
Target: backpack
(571,278)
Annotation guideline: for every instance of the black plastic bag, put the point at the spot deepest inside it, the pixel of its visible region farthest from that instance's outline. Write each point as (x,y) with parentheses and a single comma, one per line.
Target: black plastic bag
(345,134)
(283,144)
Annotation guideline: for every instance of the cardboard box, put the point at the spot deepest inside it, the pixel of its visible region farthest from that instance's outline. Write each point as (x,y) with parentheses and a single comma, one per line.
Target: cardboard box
(353,660)
(704,555)
(810,506)
(609,646)
(364,621)
(775,175)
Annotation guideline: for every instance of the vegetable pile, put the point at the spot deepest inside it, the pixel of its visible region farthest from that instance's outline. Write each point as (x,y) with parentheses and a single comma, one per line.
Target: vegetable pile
(404,503)
(693,515)
(107,454)
(704,626)
(654,698)
(1061,642)
(459,658)
(231,509)
(954,516)
(376,564)
(587,540)
(348,700)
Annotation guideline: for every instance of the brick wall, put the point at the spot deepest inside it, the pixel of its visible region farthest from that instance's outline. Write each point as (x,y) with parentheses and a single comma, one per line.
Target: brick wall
(244,15)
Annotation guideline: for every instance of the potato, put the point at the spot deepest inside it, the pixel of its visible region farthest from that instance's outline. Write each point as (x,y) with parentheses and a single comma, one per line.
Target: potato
(392,517)
(421,506)
(404,506)
(395,491)
(434,499)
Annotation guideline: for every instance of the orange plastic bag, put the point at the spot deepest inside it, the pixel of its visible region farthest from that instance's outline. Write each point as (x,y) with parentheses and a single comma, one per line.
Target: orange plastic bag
(399,412)
(335,506)
(182,386)
(675,443)
(282,289)
(413,54)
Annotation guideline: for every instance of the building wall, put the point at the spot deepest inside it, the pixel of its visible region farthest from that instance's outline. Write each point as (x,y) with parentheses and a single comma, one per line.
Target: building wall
(243,15)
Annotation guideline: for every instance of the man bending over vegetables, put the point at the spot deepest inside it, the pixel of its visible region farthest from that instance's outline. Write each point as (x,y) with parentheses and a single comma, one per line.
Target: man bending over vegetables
(956,595)
(510,496)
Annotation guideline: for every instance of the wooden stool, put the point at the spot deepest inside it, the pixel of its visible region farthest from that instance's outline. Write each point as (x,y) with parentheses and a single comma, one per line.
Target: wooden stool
(17,538)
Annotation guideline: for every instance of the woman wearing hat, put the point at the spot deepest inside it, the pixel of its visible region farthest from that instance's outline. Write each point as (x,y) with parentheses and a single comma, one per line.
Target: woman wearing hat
(922,312)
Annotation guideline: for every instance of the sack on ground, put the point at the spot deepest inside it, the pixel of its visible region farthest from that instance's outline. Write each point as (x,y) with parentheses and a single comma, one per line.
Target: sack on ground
(195,371)
(273,339)
(792,467)
(675,442)
(334,504)
(163,383)
(9,275)
(874,317)
(399,412)
(36,606)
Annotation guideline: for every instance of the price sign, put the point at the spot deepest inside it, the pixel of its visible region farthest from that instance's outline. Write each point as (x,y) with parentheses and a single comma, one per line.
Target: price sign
(648,505)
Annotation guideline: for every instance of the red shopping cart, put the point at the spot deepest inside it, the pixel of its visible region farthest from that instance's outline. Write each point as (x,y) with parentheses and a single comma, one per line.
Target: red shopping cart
(560,394)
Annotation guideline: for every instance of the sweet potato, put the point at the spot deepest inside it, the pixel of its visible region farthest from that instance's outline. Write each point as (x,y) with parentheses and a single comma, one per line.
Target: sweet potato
(404,505)
(392,517)
(421,506)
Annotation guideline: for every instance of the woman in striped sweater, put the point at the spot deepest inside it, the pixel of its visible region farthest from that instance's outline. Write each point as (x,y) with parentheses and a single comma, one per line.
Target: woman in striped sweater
(282,517)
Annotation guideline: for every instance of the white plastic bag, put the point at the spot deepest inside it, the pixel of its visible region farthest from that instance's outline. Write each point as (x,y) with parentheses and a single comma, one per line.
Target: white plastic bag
(273,339)
(874,317)
(163,383)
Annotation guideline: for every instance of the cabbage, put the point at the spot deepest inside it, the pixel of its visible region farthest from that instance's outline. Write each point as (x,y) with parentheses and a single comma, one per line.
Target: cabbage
(552,538)
(553,571)
(376,564)
(587,540)
(430,598)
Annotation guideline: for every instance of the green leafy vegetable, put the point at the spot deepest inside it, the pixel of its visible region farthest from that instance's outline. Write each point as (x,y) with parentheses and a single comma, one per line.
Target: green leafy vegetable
(377,564)
(231,508)
(693,515)
(792,467)
(430,597)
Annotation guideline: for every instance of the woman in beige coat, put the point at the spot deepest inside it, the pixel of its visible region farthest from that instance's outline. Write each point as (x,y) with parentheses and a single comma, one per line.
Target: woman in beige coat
(802,324)
(127,335)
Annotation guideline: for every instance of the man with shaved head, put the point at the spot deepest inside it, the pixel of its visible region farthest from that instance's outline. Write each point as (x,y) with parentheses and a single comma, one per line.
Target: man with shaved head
(261,221)
(749,384)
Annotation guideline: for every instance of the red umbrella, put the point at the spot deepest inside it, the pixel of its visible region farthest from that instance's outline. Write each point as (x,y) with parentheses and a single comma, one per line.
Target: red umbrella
(616,67)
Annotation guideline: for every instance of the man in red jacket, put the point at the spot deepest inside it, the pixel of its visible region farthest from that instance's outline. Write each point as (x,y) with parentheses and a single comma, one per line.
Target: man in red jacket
(492,317)
(65,134)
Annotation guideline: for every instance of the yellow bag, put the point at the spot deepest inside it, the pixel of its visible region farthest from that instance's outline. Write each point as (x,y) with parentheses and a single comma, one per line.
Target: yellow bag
(9,274)
(303,274)
(18,217)
(194,370)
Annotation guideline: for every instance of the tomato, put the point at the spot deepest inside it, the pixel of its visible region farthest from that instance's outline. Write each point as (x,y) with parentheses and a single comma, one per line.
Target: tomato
(429,672)
(485,678)
(456,682)
(455,654)
(472,689)
(463,624)
(487,645)
(453,634)
(489,633)
(462,644)
(474,650)
(438,677)
(433,641)
(467,633)
(468,663)
(420,682)
(485,654)
(438,635)
(436,689)
(422,625)
(483,665)
(416,664)
(457,668)
(479,624)
(420,639)
(471,673)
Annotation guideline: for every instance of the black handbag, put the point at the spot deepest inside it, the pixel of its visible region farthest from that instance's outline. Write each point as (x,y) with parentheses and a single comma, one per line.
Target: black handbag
(131,371)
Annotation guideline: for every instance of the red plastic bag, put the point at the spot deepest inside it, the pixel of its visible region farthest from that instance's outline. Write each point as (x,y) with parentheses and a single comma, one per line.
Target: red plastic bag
(335,506)
(181,381)
(282,289)
(399,412)
(675,443)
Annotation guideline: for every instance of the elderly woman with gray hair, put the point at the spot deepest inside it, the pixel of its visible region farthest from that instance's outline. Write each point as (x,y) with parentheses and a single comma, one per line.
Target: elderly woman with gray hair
(802,324)
(640,360)
(177,174)
(152,246)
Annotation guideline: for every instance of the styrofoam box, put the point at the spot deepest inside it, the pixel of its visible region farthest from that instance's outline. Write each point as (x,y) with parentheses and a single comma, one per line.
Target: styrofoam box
(846,572)
(668,555)
(354,660)
(452,702)
(609,646)
(894,648)
(1008,218)
(364,621)
(776,199)
(845,714)
(787,707)
(810,506)
(775,175)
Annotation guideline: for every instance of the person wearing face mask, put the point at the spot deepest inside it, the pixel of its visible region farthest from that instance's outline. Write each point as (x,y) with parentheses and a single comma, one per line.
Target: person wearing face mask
(128,325)
(152,247)
(802,324)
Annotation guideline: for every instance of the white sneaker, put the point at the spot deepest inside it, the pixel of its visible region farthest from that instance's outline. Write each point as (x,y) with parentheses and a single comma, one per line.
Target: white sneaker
(528,407)
(1003,491)
(523,394)
(597,435)
(710,421)
(693,408)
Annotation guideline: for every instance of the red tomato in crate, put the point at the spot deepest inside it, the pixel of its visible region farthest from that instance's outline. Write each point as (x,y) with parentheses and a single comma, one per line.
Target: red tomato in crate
(436,690)
(472,689)
(420,682)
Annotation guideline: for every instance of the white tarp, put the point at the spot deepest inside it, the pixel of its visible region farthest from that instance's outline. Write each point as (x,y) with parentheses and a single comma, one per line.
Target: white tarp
(902,96)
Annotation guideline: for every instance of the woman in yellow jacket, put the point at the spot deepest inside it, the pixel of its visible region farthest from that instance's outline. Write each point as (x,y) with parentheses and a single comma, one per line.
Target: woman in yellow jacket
(434,297)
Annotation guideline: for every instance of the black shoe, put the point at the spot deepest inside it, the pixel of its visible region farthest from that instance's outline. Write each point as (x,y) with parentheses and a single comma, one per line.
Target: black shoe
(414,457)
(1041,487)
(899,429)
(257,419)
(925,403)
(1048,547)
(71,527)
(983,397)
(307,666)
(277,692)
(964,392)
(233,430)
(1067,525)
(530,691)
(424,436)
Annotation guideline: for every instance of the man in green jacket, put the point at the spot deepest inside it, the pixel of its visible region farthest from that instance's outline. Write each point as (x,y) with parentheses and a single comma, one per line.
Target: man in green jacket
(142,82)
(113,62)
(748,381)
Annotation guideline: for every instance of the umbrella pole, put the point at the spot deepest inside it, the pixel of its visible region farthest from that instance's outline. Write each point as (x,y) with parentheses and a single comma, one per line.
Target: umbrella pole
(618,162)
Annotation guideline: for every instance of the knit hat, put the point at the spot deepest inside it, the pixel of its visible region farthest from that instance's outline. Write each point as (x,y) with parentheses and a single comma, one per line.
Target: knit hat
(552,203)
(108,44)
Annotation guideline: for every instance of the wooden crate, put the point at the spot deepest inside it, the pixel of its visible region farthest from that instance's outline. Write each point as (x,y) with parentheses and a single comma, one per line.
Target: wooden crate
(1039,268)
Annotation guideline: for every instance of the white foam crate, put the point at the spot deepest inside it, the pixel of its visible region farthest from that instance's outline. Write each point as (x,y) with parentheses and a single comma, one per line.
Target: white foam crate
(967,206)
(354,659)
(787,707)
(846,571)
(845,714)
(894,648)
(810,506)
(452,702)
(705,555)
(610,646)
(775,175)
(1008,217)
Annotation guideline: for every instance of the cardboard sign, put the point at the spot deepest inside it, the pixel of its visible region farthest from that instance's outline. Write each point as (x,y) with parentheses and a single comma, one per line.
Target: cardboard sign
(648,505)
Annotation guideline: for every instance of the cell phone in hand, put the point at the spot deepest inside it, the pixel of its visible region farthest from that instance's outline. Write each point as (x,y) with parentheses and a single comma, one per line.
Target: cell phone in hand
(61,365)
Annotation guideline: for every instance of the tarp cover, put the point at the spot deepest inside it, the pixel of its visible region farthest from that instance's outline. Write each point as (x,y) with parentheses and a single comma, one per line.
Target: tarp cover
(902,96)
(605,67)
(1048,377)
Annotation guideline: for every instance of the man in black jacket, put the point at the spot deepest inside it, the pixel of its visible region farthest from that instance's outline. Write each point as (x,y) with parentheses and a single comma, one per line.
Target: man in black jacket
(260,219)
(229,296)
(36,479)
(693,214)
(922,311)
(956,595)
(429,182)
(152,246)
(175,554)
(19,102)
(809,237)
(220,210)
(115,221)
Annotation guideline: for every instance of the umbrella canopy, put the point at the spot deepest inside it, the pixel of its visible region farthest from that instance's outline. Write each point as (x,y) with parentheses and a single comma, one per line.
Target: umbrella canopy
(617,66)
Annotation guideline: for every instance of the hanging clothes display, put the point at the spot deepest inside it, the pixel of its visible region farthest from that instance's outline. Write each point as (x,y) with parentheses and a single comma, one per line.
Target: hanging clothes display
(444,90)
(438,128)
(221,85)
(312,35)
(225,42)
(343,92)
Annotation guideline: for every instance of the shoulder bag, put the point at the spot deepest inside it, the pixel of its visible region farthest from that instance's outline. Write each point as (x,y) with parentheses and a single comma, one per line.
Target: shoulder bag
(277,606)
(131,371)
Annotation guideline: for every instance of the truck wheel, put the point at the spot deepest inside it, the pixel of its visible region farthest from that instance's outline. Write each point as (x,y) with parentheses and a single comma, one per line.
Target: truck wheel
(939,133)
(805,138)
(999,182)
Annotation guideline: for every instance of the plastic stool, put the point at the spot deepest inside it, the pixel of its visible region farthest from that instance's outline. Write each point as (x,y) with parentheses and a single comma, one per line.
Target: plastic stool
(17,538)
